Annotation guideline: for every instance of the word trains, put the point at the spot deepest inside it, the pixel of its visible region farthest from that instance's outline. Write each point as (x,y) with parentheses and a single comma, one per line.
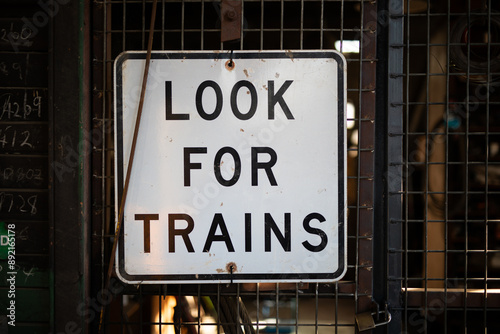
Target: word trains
(218,223)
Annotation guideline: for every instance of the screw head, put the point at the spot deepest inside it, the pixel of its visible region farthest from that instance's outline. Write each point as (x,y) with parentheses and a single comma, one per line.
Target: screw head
(231,15)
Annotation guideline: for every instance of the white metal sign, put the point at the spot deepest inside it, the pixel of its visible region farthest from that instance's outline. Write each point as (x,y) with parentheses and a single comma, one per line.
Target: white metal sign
(240,167)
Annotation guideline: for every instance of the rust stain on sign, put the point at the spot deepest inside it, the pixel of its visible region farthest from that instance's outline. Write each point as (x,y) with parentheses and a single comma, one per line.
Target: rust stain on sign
(230,65)
(231,267)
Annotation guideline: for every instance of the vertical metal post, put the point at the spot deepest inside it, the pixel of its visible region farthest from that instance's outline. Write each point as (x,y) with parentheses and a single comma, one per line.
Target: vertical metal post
(69,129)
(394,161)
(366,158)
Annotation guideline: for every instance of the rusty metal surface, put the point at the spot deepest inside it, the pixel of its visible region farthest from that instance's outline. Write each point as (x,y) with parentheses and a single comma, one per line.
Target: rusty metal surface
(231,11)
(395,157)
(366,148)
(70,130)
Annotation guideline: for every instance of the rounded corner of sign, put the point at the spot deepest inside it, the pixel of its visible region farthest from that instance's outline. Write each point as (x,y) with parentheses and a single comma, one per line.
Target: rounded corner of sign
(123,276)
(342,271)
(341,55)
(122,58)
(339,58)
(343,267)
(336,276)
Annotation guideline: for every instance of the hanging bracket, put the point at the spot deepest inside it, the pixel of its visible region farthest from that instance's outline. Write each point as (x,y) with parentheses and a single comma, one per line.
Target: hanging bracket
(230,17)
(370,320)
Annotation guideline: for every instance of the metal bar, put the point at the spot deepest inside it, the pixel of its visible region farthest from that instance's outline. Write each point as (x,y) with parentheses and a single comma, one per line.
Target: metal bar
(426,160)
(131,157)
(486,169)
(143,29)
(342,29)
(160,311)
(258,307)
(183,4)
(322,23)
(336,306)
(258,30)
(103,171)
(466,246)
(231,13)
(262,24)
(302,24)
(124,24)
(366,157)
(140,1)
(134,141)
(360,135)
(487,190)
(316,307)
(202,29)
(219,318)
(238,319)
(282,18)
(296,308)
(141,312)
(199,307)
(406,161)
(242,24)
(277,301)
(447,185)
(394,160)
(453,298)
(123,322)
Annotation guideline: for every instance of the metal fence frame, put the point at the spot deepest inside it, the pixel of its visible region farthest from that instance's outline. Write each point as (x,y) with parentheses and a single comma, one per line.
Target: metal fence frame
(430,300)
(381,203)
(108,34)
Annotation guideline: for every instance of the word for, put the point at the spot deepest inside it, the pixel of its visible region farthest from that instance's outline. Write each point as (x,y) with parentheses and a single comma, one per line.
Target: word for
(272,100)
(255,164)
(218,223)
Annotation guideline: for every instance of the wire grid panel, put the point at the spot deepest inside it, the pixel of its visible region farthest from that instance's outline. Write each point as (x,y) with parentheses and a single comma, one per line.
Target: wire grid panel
(267,25)
(450,135)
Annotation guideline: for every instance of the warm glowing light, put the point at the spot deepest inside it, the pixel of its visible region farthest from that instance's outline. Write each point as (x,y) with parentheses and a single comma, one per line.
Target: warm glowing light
(351,115)
(347,46)
(208,322)
(167,315)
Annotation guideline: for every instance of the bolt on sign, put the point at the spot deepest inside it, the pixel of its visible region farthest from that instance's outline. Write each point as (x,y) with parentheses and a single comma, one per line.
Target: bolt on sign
(239,172)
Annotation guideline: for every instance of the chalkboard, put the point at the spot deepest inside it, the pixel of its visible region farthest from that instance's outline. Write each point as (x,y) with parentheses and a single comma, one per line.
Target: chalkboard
(20,105)
(24,159)
(19,34)
(24,172)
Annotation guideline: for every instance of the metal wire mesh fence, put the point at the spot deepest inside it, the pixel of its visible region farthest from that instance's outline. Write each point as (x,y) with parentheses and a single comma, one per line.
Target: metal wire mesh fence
(449,161)
(432,252)
(118,26)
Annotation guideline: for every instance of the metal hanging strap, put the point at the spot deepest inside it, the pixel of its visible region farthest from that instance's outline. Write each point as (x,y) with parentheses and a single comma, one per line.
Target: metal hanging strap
(131,157)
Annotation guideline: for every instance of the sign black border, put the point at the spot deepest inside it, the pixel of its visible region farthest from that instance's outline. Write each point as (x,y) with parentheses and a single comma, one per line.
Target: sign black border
(236,277)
